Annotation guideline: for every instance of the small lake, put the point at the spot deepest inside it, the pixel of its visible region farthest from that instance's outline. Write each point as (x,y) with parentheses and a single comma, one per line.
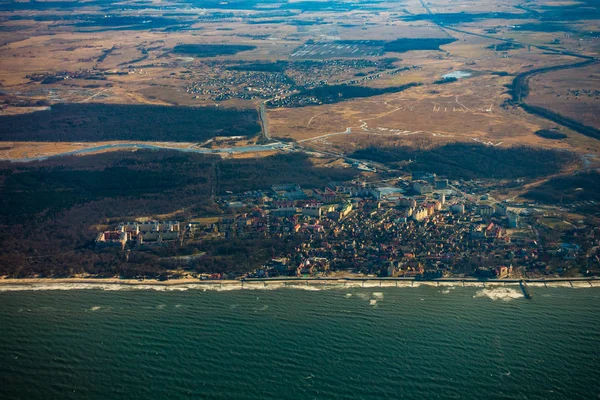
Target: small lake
(457,74)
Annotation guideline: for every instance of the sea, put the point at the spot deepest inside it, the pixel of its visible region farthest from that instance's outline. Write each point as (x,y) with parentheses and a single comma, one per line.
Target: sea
(421,342)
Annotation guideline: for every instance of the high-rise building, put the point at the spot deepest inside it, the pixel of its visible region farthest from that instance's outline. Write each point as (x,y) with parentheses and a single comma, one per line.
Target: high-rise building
(513,220)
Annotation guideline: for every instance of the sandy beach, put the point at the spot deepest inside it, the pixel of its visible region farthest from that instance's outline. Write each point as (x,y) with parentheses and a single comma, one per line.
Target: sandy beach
(7,284)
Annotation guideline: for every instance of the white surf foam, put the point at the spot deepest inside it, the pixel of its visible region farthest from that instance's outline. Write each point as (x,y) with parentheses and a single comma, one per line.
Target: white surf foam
(449,284)
(581,285)
(362,296)
(372,302)
(489,289)
(536,284)
(499,293)
(378,295)
(447,289)
(370,284)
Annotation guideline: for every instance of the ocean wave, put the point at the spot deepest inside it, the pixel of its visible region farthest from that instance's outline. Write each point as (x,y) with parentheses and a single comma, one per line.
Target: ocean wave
(378,295)
(362,296)
(499,293)
(371,284)
(583,285)
(447,289)
(490,289)
(372,302)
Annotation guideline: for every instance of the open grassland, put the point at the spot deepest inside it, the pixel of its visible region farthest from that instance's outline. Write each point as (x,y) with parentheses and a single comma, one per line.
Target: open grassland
(469,110)
(166,54)
(573,93)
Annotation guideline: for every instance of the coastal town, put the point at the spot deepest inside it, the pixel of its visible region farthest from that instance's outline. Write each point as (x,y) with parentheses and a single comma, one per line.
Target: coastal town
(418,226)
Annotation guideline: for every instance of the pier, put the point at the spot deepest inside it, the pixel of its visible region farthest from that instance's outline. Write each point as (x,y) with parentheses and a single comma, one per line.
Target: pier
(525,289)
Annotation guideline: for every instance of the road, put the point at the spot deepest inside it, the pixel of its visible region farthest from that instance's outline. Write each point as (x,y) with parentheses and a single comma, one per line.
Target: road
(347,131)
(262,114)
(94,95)
(141,145)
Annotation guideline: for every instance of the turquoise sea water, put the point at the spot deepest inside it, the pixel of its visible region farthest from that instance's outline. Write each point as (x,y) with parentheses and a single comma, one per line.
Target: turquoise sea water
(388,343)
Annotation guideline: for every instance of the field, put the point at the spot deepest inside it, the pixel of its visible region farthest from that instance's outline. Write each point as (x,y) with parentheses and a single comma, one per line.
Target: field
(329,71)
(573,93)
(556,224)
(471,109)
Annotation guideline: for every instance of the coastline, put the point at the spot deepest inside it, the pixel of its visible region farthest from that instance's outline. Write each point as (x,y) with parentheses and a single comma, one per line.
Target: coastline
(16,284)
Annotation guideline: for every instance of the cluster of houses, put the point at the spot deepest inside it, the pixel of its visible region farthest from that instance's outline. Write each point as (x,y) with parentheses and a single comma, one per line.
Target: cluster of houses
(139,233)
(359,227)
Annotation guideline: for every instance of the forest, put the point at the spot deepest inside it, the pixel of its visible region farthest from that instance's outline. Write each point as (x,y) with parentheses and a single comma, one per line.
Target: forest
(278,66)
(51,211)
(330,94)
(472,161)
(464,17)
(568,189)
(102,122)
(408,44)
(211,50)
(551,134)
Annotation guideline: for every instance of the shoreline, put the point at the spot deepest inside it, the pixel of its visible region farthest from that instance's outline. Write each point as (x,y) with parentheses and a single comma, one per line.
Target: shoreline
(274,283)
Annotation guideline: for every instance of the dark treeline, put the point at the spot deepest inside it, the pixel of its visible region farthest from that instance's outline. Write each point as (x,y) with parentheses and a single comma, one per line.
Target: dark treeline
(544,27)
(99,23)
(59,183)
(463,17)
(505,46)
(46,5)
(408,44)
(278,66)
(550,134)
(472,161)
(265,21)
(442,81)
(338,6)
(561,119)
(562,13)
(127,22)
(102,57)
(51,211)
(330,94)
(101,122)
(568,189)
(519,90)
(211,50)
